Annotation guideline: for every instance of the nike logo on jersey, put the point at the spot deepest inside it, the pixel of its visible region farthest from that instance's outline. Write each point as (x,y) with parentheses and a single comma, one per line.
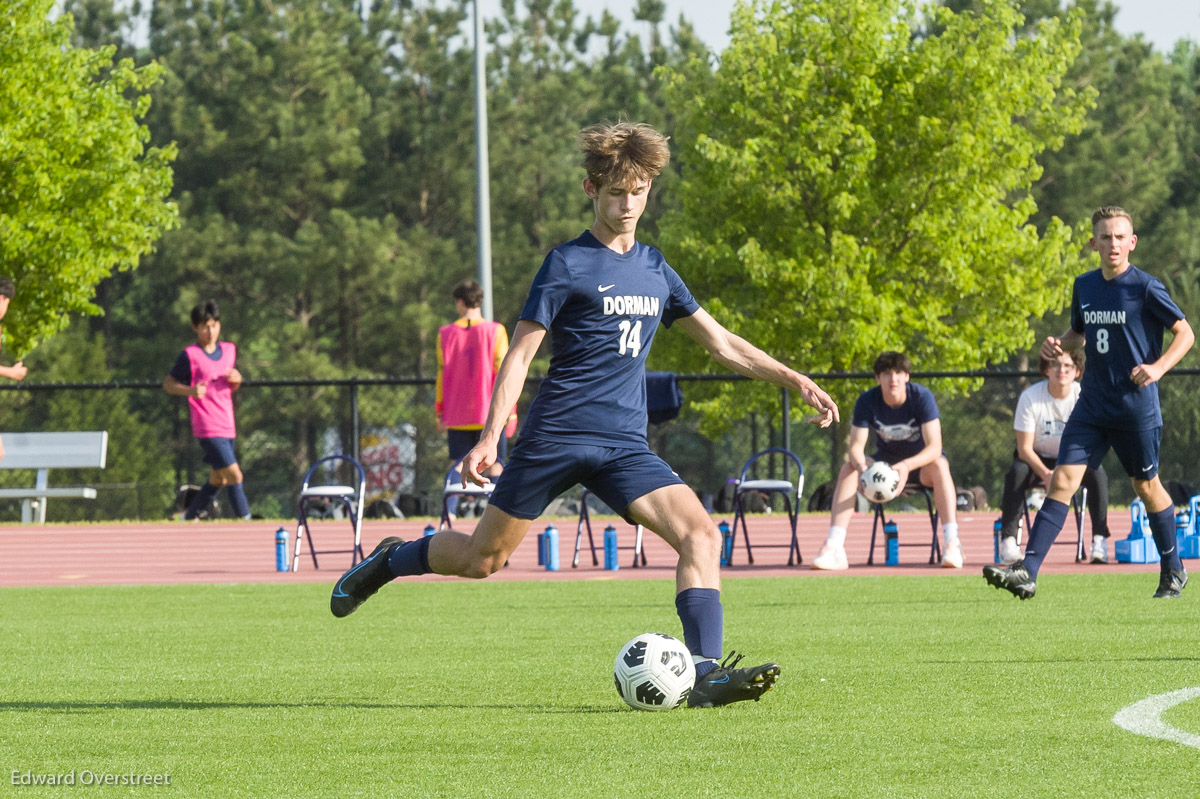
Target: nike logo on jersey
(603,289)
(1085,305)
(1147,468)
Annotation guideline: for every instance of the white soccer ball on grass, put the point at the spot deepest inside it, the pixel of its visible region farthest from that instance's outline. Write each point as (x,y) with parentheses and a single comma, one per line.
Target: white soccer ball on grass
(879,483)
(654,672)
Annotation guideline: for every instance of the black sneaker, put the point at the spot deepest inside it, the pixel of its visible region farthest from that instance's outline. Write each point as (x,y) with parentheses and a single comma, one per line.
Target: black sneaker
(1015,579)
(1171,583)
(725,684)
(361,582)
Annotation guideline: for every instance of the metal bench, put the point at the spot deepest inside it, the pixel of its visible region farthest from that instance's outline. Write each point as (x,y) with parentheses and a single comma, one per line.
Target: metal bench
(43,452)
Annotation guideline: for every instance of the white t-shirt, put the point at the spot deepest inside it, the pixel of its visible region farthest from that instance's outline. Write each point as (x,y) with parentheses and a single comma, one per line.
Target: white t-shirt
(1040,413)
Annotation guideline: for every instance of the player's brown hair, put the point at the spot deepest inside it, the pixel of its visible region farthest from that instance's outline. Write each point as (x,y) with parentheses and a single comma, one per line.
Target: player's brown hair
(622,153)
(1110,212)
(469,292)
(892,361)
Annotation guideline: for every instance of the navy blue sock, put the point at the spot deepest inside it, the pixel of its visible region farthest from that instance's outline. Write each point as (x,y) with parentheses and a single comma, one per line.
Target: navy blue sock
(1046,527)
(237,495)
(203,497)
(1162,527)
(410,558)
(703,621)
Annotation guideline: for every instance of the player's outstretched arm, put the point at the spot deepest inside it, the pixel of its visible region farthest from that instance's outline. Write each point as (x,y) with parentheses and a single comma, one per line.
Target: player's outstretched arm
(734,352)
(1181,341)
(527,338)
(1053,347)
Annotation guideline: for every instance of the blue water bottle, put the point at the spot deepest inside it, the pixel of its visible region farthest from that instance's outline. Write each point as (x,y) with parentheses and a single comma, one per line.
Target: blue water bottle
(541,546)
(430,529)
(891,532)
(610,549)
(726,542)
(281,550)
(996,528)
(550,541)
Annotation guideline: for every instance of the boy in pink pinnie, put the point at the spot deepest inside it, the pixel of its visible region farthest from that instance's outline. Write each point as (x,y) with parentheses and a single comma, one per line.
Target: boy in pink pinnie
(204,373)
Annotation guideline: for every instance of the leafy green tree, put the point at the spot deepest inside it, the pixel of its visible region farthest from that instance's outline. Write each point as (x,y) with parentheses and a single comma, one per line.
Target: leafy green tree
(855,182)
(82,193)
(1128,147)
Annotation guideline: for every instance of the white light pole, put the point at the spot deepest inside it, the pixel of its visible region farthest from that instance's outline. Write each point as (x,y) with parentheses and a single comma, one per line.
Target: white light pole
(483,221)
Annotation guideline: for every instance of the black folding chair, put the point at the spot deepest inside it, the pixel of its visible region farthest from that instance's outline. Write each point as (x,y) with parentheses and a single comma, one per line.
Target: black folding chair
(585,523)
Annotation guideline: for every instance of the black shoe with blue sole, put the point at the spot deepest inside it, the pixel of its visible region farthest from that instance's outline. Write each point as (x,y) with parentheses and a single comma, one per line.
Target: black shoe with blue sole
(724,684)
(362,581)
(1171,584)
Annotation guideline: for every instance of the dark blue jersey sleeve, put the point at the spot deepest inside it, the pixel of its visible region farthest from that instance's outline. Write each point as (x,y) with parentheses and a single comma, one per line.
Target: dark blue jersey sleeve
(925,402)
(182,370)
(549,291)
(1160,305)
(680,304)
(863,415)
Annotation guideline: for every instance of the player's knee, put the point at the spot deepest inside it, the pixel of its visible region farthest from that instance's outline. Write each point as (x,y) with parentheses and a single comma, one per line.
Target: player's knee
(483,566)
(703,538)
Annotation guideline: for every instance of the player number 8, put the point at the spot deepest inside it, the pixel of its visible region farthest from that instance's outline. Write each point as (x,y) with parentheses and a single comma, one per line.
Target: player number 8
(1102,340)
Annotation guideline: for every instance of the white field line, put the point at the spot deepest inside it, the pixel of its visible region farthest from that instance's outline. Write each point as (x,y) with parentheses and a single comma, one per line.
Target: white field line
(1144,717)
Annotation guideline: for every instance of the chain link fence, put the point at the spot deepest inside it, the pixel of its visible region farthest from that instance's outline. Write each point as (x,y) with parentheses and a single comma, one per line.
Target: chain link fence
(388,424)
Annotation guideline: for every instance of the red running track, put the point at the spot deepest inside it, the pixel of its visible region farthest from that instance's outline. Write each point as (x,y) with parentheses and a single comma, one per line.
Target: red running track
(242,552)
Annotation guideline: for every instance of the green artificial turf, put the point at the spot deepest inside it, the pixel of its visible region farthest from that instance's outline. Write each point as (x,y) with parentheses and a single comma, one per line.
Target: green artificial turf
(898,686)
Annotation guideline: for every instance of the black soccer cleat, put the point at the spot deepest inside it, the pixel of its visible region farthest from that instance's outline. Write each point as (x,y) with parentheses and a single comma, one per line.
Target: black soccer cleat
(1171,583)
(724,684)
(1015,579)
(361,582)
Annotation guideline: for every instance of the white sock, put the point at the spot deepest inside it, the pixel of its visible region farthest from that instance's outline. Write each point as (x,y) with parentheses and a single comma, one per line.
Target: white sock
(837,536)
(950,532)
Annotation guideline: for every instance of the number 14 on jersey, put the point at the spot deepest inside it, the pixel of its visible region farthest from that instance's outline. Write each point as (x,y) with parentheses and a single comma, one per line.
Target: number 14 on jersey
(631,337)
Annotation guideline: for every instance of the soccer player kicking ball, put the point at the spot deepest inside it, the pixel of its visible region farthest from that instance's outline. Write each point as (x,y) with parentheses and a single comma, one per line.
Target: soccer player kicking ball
(1119,313)
(602,296)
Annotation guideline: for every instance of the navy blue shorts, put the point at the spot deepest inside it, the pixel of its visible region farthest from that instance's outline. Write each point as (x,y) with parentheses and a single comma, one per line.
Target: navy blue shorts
(1137,450)
(218,452)
(539,471)
(460,442)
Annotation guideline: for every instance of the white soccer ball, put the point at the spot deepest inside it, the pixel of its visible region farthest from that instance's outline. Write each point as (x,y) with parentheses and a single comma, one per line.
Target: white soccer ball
(654,672)
(879,483)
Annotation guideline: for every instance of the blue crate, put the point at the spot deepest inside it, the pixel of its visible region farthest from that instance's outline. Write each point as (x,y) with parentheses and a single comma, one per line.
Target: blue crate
(1189,546)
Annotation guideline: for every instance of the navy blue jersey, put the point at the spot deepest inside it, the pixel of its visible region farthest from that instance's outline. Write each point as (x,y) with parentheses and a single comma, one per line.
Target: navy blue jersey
(897,430)
(1122,321)
(602,310)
